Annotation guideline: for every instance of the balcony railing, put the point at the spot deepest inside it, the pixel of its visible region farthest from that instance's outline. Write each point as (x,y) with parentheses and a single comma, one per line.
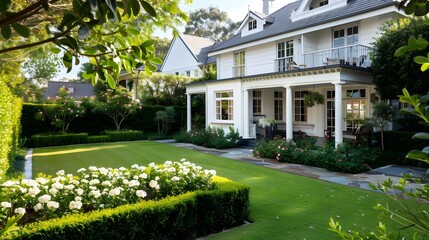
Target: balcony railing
(354,55)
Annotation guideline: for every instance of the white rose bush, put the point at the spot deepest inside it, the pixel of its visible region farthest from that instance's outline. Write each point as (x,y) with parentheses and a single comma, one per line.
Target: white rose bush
(98,188)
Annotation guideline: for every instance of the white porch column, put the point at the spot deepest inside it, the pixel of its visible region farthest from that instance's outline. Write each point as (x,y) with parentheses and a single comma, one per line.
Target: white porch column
(188,113)
(338,113)
(289,113)
(246,113)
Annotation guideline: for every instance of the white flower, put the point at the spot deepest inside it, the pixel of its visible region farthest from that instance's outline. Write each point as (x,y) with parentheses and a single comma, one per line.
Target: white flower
(141,193)
(29,183)
(53,191)
(153,184)
(171,169)
(94,181)
(10,183)
(78,199)
(81,170)
(69,187)
(33,191)
(143,175)
(122,169)
(84,181)
(75,205)
(134,166)
(95,193)
(38,207)
(20,211)
(125,181)
(151,164)
(114,192)
(133,183)
(183,159)
(60,173)
(42,181)
(92,168)
(175,178)
(6,204)
(156,178)
(168,163)
(74,182)
(79,191)
(57,185)
(69,175)
(103,171)
(44,199)
(106,183)
(52,204)
(23,190)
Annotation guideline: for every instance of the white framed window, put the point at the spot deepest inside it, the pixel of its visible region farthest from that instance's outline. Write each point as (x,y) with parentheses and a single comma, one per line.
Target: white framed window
(253,24)
(355,108)
(318,3)
(239,64)
(300,109)
(225,105)
(346,37)
(284,55)
(278,106)
(188,73)
(257,102)
(70,89)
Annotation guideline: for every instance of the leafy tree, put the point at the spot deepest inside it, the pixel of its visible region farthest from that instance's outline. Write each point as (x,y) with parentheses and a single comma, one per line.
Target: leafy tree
(113,34)
(209,73)
(61,110)
(211,23)
(164,89)
(391,73)
(165,119)
(161,45)
(41,66)
(117,104)
(383,112)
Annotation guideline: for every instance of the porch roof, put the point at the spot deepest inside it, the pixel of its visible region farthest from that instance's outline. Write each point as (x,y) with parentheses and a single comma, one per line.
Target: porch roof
(290,73)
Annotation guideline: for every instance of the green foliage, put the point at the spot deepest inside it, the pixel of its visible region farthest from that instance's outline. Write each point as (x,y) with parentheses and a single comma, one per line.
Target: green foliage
(98,139)
(117,104)
(186,216)
(312,98)
(10,113)
(113,34)
(62,110)
(308,143)
(209,73)
(391,73)
(163,89)
(165,119)
(343,159)
(211,23)
(125,135)
(42,66)
(57,140)
(210,137)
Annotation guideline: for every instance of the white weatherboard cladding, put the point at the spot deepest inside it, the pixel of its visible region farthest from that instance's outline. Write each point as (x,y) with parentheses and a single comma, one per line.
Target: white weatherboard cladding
(260,59)
(234,86)
(180,59)
(224,66)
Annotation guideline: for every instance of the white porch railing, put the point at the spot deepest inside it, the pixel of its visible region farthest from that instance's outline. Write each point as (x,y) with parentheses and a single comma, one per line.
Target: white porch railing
(354,55)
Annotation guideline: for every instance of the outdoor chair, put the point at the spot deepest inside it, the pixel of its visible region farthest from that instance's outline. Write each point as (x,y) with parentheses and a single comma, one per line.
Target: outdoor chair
(363,132)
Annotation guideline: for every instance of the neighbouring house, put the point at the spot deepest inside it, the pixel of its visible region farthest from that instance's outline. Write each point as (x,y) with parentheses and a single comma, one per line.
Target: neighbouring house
(74,89)
(275,60)
(187,55)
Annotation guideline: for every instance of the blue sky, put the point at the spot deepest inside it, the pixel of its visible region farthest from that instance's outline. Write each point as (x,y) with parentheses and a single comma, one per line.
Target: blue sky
(236,9)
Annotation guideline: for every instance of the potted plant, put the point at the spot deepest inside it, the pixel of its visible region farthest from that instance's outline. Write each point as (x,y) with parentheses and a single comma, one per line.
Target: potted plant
(312,98)
(269,125)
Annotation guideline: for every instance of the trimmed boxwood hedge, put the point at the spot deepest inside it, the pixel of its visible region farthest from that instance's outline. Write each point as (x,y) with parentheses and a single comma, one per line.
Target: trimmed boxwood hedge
(186,216)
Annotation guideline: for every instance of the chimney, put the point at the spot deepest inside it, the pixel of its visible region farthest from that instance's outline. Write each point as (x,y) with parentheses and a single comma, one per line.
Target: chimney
(266,7)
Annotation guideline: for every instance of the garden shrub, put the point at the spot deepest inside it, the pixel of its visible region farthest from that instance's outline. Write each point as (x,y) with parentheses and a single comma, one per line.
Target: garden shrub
(306,142)
(125,135)
(186,216)
(346,158)
(10,108)
(57,139)
(210,137)
(98,139)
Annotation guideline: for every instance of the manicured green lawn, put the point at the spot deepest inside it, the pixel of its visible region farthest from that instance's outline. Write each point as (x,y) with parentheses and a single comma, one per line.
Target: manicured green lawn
(283,206)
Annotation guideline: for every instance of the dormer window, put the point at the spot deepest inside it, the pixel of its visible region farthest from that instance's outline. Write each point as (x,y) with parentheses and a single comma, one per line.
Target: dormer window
(318,3)
(252,25)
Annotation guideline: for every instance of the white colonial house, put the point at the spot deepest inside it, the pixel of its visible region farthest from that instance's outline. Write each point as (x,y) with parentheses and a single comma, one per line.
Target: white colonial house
(187,55)
(274,60)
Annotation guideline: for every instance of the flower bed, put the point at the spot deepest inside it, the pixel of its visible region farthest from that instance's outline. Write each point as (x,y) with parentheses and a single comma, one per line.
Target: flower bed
(210,137)
(99,188)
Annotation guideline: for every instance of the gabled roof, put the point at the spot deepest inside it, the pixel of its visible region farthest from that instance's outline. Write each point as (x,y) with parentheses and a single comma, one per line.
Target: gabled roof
(282,23)
(197,46)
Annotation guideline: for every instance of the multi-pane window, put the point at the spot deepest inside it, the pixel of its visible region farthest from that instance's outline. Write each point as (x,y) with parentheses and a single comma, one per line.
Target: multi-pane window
(239,63)
(284,55)
(257,102)
(278,106)
(224,105)
(318,3)
(346,37)
(300,109)
(252,25)
(355,108)
(188,73)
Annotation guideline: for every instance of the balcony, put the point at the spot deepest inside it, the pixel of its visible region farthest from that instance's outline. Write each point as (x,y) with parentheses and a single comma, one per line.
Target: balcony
(354,55)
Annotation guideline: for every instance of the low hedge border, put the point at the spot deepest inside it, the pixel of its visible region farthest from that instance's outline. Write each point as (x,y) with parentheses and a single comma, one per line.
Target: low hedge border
(81,138)
(186,216)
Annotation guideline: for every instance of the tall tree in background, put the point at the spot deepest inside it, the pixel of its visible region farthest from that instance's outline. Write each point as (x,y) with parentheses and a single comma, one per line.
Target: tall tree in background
(41,66)
(211,23)
(161,46)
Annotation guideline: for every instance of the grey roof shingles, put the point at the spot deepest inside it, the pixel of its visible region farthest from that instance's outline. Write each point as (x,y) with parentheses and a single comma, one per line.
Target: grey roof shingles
(80,89)
(282,20)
